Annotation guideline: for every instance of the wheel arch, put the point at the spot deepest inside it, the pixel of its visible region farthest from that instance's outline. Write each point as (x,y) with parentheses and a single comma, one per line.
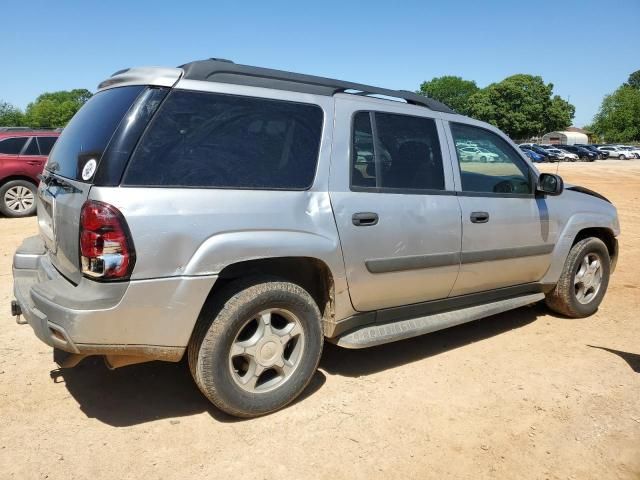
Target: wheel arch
(606,235)
(25,178)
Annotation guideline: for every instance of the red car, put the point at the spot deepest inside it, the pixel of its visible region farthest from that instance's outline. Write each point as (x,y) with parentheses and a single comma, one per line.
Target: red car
(23,154)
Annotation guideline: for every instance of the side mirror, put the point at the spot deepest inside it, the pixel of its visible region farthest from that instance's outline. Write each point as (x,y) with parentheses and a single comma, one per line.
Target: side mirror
(550,184)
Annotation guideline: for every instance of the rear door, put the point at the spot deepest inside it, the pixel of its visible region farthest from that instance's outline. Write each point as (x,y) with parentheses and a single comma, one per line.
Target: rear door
(392,194)
(70,170)
(32,159)
(10,149)
(507,238)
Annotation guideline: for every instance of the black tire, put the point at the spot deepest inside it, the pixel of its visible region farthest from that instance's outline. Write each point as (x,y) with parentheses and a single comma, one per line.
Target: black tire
(16,210)
(621,157)
(222,321)
(562,299)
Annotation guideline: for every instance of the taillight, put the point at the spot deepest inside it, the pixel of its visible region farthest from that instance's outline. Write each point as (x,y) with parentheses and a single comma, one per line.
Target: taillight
(106,249)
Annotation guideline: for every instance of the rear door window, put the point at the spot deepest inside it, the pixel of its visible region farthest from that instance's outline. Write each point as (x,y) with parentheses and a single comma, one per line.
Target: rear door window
(32,148)
(211,140)
(46,144)
(394,153)
(88,133)
(12,146)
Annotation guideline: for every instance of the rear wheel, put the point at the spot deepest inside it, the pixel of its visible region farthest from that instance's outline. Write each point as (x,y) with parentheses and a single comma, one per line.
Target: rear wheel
(258,346)
(583,281)
(18,198)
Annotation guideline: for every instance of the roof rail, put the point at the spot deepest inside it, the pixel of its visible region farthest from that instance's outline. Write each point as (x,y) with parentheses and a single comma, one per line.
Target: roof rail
(225,71)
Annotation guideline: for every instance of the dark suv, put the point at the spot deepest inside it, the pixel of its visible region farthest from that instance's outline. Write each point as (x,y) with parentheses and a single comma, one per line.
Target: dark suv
(582,153)
(22,157)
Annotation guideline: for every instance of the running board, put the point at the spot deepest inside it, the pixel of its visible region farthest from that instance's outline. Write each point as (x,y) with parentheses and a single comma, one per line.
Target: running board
(371,335)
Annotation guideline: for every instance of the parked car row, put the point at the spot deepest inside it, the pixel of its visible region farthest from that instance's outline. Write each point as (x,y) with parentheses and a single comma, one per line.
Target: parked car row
(22,158)
(584,152)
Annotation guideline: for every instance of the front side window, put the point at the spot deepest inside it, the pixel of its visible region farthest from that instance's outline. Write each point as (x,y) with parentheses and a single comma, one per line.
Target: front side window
(392,152)
(201,139)
(488,164)
(12,146)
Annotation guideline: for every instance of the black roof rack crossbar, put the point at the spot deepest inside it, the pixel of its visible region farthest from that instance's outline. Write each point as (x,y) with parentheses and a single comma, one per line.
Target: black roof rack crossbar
(225,71)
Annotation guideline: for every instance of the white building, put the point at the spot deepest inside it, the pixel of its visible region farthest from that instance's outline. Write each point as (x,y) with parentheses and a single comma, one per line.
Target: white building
(565,138)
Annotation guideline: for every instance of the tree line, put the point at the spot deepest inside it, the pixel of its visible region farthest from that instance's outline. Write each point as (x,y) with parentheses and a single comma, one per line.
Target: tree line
(522,106)
(49,110)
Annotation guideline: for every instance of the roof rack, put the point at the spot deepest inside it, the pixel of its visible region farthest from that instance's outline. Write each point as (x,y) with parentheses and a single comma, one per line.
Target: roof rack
(225,71)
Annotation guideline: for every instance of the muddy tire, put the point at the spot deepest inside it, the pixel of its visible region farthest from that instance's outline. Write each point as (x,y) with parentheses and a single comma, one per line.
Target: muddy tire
(256,346)
(584,280)
(18,199)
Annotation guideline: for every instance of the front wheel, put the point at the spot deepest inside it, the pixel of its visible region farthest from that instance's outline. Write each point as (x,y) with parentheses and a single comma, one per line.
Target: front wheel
(584,280)
(257,347)
(621,157)
(18,198)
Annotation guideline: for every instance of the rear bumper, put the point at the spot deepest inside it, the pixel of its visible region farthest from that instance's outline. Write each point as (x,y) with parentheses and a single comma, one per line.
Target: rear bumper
(146,318)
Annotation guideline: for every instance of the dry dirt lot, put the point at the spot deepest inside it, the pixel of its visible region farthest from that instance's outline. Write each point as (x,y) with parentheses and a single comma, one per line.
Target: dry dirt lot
(523,394)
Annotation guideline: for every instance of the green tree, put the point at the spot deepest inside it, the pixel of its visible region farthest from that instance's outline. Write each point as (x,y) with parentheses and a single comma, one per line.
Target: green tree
(522,106)
(634,80)
(10,116)
(55,109)
(618,119)
(450,90)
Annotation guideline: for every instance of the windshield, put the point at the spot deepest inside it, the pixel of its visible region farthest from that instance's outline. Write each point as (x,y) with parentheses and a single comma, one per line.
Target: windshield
(87,135)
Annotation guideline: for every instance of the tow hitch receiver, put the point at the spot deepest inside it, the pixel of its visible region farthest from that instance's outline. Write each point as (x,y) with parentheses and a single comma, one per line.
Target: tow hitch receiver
(16,311)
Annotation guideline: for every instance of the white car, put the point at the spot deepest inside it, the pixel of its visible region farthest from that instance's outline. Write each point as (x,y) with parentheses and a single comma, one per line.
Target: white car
(563,154)
(617,152)
(634,150)
(478,154)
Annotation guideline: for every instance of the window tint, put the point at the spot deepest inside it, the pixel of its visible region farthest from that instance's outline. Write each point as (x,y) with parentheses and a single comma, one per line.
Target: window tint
(12,146)
(406,152)
(32,148)
(46,144)
(200,139)
(89,131)
(488,164)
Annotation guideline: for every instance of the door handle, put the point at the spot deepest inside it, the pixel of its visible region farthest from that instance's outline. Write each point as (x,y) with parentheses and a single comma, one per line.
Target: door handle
(479,217)
(364,219)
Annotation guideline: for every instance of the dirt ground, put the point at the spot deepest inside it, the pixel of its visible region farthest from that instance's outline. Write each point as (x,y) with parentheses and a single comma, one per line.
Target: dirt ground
(523,394)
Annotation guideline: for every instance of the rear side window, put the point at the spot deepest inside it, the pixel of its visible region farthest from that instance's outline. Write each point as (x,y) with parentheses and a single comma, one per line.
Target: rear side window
(392,152)
(46,144)
(32,148)
(86,136)
(200,139)
(12,146)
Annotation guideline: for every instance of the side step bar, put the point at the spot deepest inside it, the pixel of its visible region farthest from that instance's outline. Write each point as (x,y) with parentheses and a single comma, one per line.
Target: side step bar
(371,335)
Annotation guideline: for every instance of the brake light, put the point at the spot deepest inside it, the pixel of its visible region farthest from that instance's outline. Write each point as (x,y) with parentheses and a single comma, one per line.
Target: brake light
(106,249)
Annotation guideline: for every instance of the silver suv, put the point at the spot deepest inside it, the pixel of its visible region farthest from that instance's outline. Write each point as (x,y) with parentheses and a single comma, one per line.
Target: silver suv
(241,215)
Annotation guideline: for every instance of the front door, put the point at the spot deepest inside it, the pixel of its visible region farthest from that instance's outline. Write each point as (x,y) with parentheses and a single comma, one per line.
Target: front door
(397,214)
(507,238)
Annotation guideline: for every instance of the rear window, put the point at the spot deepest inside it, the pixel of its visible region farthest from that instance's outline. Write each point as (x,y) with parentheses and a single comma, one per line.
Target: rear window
(89,131)
(211,140)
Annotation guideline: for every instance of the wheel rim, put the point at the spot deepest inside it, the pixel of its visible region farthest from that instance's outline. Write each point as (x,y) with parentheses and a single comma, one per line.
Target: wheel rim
(588,278)
(267,350)
(19,199)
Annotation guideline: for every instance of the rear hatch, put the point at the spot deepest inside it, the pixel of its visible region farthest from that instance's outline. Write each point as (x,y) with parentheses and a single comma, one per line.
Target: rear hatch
(70,171)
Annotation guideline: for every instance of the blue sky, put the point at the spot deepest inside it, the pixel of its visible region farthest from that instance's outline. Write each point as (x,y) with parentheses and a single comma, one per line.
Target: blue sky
(585,48)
